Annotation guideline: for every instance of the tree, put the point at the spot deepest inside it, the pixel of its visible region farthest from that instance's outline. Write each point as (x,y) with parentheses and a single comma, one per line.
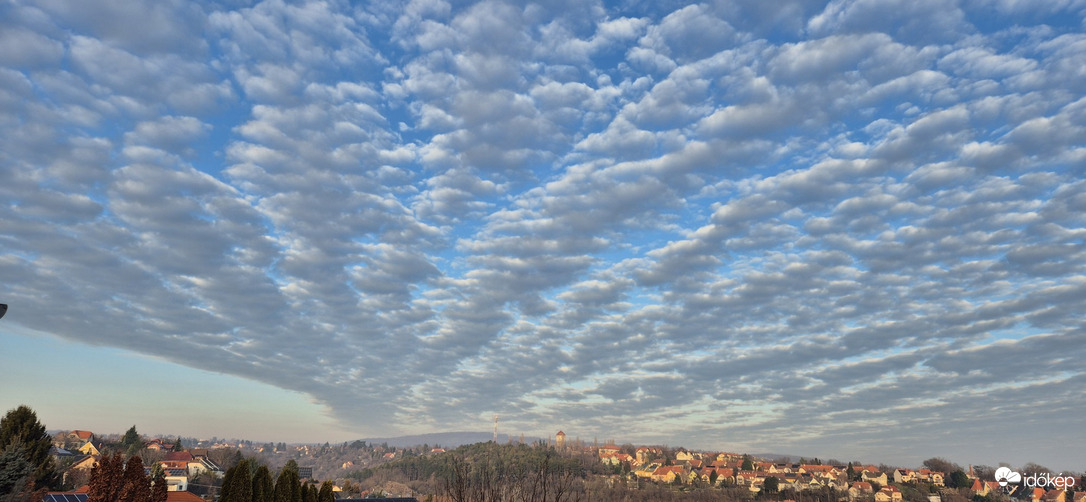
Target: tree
(263,488)
(771,484)
(940,464)
(177,446)
(159,487)
(326,493)
(958,479)
(20,429)
(16,476)
(288,488)
(309,493)
(131,441)
(107,479)
(713,477)
(135,485)
(237,485)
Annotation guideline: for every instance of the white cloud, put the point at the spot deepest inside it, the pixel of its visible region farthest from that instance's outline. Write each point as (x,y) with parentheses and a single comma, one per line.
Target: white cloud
(719,218)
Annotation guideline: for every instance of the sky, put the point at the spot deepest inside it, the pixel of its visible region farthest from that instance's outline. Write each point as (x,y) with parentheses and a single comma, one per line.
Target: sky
(853,229)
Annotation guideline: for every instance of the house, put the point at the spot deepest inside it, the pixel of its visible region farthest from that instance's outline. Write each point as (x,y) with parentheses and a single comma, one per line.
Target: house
(749,478)
(822,469)
(86,463)
(904,476)
(668,473)
(80,437)
(983,488)
(860,489)
(155,445)
(1078,497)
(1054,496)
(183,496)
(930,476)
(177,483)
(196,466)
(615,458)
(874,476)
(888,494)
(89,448)
(609,449)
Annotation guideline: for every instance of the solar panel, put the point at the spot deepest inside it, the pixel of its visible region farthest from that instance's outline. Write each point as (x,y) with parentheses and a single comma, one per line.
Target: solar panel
(65,497)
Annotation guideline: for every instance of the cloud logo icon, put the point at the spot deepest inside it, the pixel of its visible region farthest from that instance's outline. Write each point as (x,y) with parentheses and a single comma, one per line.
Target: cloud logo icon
(1005,475)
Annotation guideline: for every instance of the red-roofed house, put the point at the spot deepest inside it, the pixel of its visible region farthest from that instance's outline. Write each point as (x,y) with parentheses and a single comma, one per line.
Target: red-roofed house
(983,488)
(78,436)
(668,473)
(860,489)
(179,455)
(888,494)
(182,497)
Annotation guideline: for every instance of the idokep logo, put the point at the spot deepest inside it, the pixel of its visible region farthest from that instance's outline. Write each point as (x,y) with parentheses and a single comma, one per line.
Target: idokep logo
(1005,476)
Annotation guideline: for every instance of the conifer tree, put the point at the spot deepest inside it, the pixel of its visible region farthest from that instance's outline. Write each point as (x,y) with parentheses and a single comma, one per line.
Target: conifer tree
(107,479)
(20,429)
(159,489)
(135,485)
(237,484)
(327,492)
(288,487)
(263,488)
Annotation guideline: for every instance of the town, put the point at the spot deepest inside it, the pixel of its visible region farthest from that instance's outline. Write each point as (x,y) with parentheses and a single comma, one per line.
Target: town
(569,469)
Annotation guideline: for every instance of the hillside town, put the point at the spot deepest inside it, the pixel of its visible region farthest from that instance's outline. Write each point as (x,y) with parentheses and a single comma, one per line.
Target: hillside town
(194,470)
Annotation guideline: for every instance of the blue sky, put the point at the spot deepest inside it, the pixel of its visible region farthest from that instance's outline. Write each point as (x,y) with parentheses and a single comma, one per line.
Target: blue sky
(852,229)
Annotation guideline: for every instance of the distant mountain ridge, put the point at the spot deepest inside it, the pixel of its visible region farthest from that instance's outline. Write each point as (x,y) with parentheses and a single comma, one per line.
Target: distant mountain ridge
(444,439)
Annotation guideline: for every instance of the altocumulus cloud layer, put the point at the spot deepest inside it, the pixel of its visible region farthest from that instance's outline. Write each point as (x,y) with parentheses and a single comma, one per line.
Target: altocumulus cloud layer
(854,226)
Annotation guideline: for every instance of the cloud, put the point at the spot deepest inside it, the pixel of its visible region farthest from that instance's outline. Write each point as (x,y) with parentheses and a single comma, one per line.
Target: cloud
(705,225)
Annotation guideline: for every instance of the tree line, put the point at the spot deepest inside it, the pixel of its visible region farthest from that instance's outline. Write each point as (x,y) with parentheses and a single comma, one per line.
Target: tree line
(251,481)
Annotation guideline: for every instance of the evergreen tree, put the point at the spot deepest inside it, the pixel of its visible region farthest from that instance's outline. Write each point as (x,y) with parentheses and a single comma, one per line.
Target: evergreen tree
(263,488)
(16,476)
(327,492)
(107,479)
(135,486)
(237,484)
(177,446)
(309,493)
(131,441)
(288,488)
(159,488)
(20,429)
